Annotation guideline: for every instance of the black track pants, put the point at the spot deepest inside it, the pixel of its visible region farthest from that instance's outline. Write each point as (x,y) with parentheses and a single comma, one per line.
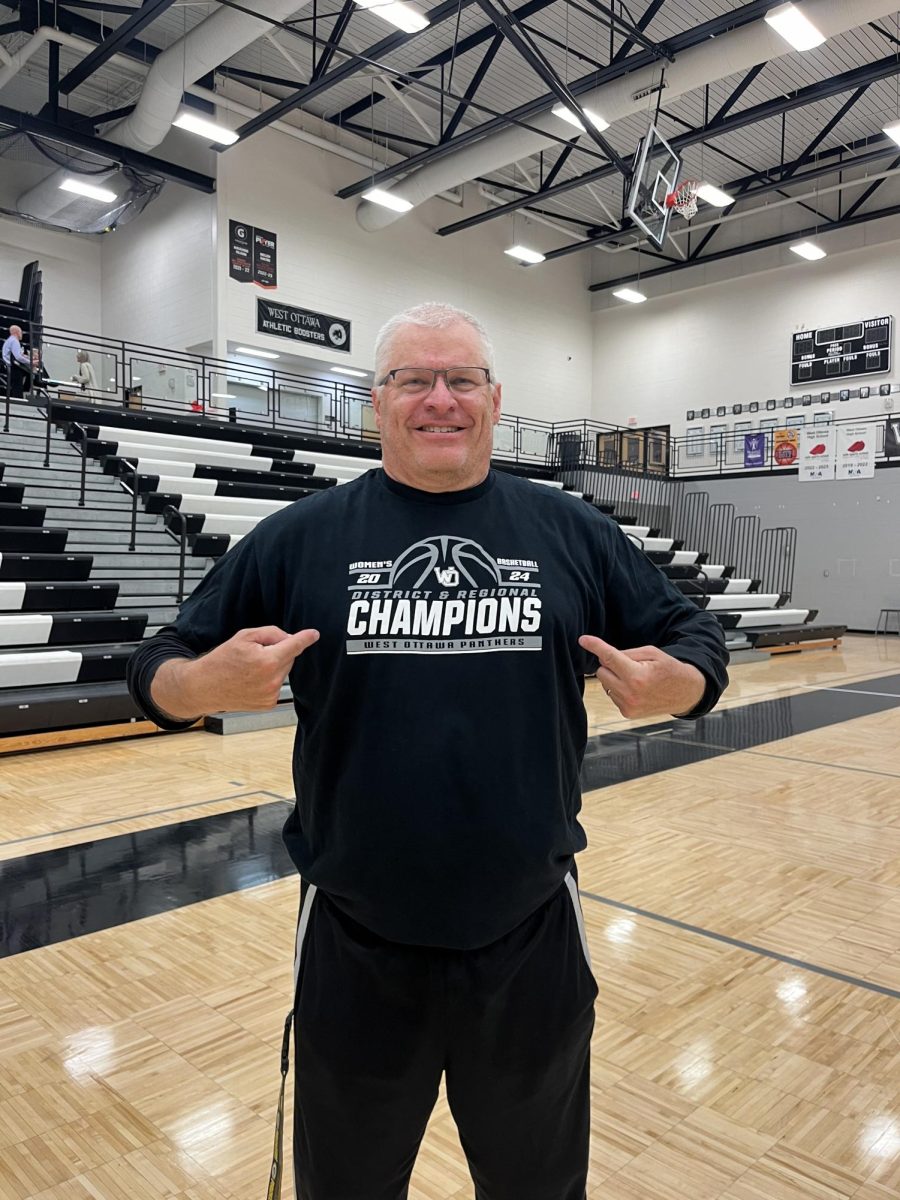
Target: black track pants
(378,1022)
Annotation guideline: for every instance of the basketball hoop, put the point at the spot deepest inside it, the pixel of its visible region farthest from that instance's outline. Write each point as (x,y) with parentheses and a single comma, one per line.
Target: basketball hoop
(684,198)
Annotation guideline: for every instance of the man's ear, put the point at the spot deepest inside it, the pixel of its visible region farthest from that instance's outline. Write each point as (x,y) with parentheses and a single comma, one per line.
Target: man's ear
(376,405)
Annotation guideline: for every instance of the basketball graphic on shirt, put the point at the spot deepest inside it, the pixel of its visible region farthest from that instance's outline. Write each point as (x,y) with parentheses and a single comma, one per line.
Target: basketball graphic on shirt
(445,561)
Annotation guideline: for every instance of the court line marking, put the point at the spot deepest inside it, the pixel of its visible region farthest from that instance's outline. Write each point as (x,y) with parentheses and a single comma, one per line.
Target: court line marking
(750,947)
(814,762)
(156,812)
(845,691)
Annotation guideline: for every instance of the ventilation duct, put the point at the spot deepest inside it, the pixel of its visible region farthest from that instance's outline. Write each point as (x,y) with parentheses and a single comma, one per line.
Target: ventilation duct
(200,51)
(728,54)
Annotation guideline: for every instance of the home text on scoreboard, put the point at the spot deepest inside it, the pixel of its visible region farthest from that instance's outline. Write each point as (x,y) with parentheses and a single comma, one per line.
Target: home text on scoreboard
(841,351)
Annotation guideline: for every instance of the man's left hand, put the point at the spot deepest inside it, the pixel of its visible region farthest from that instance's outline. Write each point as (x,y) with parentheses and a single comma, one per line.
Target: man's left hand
(646,682)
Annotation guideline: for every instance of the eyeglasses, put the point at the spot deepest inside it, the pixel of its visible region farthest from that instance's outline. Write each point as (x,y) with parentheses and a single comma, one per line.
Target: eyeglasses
(419,381)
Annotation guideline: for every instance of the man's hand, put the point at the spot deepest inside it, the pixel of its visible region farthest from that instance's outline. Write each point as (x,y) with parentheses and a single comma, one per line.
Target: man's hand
(246,672)
(646,682)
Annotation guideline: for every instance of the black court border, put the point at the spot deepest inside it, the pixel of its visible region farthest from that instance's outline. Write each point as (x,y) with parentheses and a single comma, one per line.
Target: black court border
(54,895)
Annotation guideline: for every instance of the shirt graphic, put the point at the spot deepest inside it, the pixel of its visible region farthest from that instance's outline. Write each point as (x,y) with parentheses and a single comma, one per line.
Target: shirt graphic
(444,595)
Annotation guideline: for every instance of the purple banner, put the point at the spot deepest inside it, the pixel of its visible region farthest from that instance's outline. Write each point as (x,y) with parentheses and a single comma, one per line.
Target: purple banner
(754,449)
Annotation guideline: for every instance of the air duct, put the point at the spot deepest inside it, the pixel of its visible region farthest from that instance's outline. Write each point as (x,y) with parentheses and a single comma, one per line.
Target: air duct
(205,47)
(736,51)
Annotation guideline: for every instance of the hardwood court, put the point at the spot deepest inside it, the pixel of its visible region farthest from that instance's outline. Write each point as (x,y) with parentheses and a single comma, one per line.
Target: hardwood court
(140,1061)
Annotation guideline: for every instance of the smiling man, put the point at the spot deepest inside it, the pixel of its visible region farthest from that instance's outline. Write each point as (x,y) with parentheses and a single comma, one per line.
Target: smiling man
(436,619)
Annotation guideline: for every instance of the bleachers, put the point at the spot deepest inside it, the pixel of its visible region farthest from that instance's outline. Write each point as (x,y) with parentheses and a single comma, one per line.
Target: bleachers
(74,602)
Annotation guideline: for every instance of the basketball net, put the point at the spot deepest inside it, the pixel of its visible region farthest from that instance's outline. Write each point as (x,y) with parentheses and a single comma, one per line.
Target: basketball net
(684,198)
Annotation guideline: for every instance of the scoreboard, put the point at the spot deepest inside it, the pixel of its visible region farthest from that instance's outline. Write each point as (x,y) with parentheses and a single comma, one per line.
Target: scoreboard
(841,351)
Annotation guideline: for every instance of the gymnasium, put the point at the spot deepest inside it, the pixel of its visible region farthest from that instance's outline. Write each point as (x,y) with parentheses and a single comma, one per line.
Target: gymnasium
(679,221)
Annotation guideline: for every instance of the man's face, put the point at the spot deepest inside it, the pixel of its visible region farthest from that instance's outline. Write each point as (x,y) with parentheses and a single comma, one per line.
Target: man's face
(438,442)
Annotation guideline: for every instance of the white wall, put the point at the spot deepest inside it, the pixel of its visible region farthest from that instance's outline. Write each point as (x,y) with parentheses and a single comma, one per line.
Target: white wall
(728,342)
(159,272)
(71,272)
(539,318)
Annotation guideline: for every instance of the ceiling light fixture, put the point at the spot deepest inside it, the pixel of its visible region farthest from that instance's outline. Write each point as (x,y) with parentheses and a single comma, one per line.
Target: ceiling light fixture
(893,131)
(566,114)
(809,251)
(525,255)
(795,27)
(80,188)
(407,17)
(714,195)
(631,295)
(222,396)
(203,127)
(387,200)
(350,371)
(255,353)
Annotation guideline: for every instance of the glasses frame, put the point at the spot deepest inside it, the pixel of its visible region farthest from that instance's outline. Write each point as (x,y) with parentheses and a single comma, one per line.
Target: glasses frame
(436,371)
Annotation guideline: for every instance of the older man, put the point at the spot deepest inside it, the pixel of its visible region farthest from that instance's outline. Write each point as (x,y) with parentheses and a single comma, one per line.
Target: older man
(436,619)
(16,362)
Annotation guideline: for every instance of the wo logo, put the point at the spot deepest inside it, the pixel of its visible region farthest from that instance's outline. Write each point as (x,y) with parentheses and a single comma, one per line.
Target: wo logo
(448,578)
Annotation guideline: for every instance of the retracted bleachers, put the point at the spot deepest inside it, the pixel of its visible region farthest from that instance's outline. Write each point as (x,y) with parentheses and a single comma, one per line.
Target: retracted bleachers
(749,618)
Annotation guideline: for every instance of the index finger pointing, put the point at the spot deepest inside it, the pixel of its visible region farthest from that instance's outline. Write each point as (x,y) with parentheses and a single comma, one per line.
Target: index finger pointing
(610,658)
(293,645)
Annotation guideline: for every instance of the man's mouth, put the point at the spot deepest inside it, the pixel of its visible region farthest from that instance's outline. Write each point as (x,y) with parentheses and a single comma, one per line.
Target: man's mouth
(440,429)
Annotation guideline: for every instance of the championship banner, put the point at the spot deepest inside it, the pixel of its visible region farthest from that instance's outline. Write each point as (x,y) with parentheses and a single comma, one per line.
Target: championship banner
(817,455)
(785,450)
(892,437)
(252,255)
(754,449)
(855,451)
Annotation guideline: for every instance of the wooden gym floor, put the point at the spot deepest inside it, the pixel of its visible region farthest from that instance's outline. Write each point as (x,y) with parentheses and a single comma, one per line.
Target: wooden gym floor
(743,911)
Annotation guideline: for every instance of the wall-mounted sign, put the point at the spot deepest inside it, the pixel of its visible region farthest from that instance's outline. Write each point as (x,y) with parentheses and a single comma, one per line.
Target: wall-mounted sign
(301,325)
(816,453)
(784,447)
(855,451)
(252,255)
(754,449)
(841,351)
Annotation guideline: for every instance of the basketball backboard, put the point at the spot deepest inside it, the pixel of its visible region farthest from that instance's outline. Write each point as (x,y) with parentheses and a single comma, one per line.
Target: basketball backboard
(656,171)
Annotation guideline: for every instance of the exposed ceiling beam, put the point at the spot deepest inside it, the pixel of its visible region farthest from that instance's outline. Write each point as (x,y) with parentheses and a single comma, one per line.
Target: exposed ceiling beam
(334,39)
(472,42)
(352,66)
(144,163)
(34,13)
(884,68)
(643,58)
(120,37)
(643,21)
(780,239)
(474,84)
(512,31)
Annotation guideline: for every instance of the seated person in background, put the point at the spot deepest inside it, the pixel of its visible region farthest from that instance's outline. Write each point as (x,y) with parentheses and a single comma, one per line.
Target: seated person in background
(86,376)
(40,380)
(17,363)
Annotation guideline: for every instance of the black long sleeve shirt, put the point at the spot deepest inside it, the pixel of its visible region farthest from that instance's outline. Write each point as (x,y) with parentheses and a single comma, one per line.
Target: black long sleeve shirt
(441,723)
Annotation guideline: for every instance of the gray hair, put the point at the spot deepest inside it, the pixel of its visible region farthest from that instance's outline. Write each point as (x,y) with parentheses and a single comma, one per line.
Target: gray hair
(430,315)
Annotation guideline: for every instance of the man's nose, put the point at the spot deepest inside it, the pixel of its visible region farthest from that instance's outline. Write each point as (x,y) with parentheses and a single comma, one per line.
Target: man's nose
(440,395)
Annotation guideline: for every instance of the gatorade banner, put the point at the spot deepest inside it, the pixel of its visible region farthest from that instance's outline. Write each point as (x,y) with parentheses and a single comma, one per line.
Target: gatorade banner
(855,451)
(754,449)
(817,455)
(785,448)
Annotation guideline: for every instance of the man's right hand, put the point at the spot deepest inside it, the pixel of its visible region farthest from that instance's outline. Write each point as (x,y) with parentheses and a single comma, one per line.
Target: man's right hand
(246,672)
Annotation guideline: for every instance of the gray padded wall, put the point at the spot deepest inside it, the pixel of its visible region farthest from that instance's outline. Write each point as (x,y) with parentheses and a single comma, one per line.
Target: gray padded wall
(848,538)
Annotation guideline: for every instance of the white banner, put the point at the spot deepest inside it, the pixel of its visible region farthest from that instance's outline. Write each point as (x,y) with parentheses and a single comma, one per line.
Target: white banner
(855,451)
(817,457)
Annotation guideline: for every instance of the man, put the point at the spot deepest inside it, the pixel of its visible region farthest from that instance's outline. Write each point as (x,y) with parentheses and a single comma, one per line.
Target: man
(17,363)
(436,620)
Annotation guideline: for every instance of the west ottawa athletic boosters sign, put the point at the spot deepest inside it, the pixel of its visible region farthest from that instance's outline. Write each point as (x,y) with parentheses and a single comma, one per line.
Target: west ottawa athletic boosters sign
(301,325)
